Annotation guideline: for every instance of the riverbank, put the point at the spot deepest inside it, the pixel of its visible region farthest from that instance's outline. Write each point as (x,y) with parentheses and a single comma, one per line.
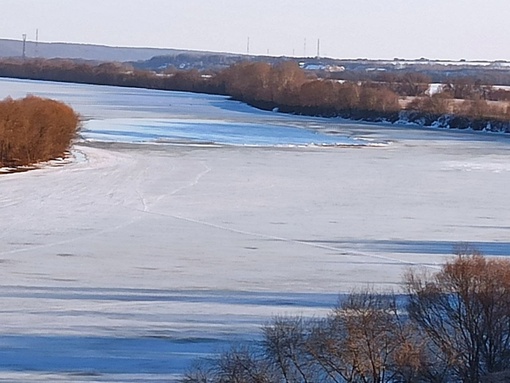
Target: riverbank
(402,117)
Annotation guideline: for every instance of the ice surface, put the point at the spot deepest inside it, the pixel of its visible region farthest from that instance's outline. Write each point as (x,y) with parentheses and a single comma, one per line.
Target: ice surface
(175,131)
(127,264)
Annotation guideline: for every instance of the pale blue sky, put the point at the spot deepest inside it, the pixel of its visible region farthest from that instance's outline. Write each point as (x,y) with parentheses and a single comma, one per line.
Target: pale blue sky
(438,29)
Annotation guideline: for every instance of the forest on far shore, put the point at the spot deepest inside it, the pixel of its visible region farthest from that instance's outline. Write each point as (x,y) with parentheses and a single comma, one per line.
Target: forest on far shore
(406,97)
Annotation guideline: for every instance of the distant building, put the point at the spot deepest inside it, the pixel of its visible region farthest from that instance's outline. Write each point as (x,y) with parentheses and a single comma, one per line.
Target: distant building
(335,68)
(321,67)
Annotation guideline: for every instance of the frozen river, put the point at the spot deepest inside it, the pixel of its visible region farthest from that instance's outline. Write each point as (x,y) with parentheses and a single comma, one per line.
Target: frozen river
(186,221)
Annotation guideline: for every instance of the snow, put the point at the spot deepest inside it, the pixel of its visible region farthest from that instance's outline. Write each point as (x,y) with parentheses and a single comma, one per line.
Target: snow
(434,88)
(127,263)
(460,63)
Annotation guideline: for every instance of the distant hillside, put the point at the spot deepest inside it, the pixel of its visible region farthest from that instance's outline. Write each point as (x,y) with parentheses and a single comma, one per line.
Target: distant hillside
(14,48)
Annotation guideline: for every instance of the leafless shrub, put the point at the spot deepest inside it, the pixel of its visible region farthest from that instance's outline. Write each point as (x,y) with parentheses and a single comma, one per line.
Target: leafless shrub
(35,129)
(437,104)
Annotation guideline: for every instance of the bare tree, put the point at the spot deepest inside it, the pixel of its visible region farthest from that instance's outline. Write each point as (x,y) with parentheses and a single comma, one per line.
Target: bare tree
(199,373)
(366,340)
(242,365)
(327,345)
(465,310)
(374,335)
(456,329)
(286,348)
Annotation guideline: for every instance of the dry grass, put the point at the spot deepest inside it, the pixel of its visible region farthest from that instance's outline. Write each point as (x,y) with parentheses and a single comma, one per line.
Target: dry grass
(35,129)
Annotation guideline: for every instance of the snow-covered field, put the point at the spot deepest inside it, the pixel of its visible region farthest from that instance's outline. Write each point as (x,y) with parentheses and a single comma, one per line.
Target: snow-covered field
(132,260)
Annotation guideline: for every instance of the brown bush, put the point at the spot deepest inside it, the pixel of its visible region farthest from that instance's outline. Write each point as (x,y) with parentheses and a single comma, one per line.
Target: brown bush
(437,104)
(481,109)
(379,99)
(34,129)
(499,95)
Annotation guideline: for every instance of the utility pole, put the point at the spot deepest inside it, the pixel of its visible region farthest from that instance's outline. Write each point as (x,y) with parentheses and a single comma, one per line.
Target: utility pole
(318,48)
(248,46)
(24,45)
(37,42)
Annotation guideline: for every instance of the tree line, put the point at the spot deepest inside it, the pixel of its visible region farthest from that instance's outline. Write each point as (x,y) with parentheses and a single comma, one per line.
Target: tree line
(452,326)
(286,87)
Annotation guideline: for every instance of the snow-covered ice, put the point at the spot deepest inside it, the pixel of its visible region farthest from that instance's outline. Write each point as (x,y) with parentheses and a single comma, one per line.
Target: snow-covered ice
(129,262)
